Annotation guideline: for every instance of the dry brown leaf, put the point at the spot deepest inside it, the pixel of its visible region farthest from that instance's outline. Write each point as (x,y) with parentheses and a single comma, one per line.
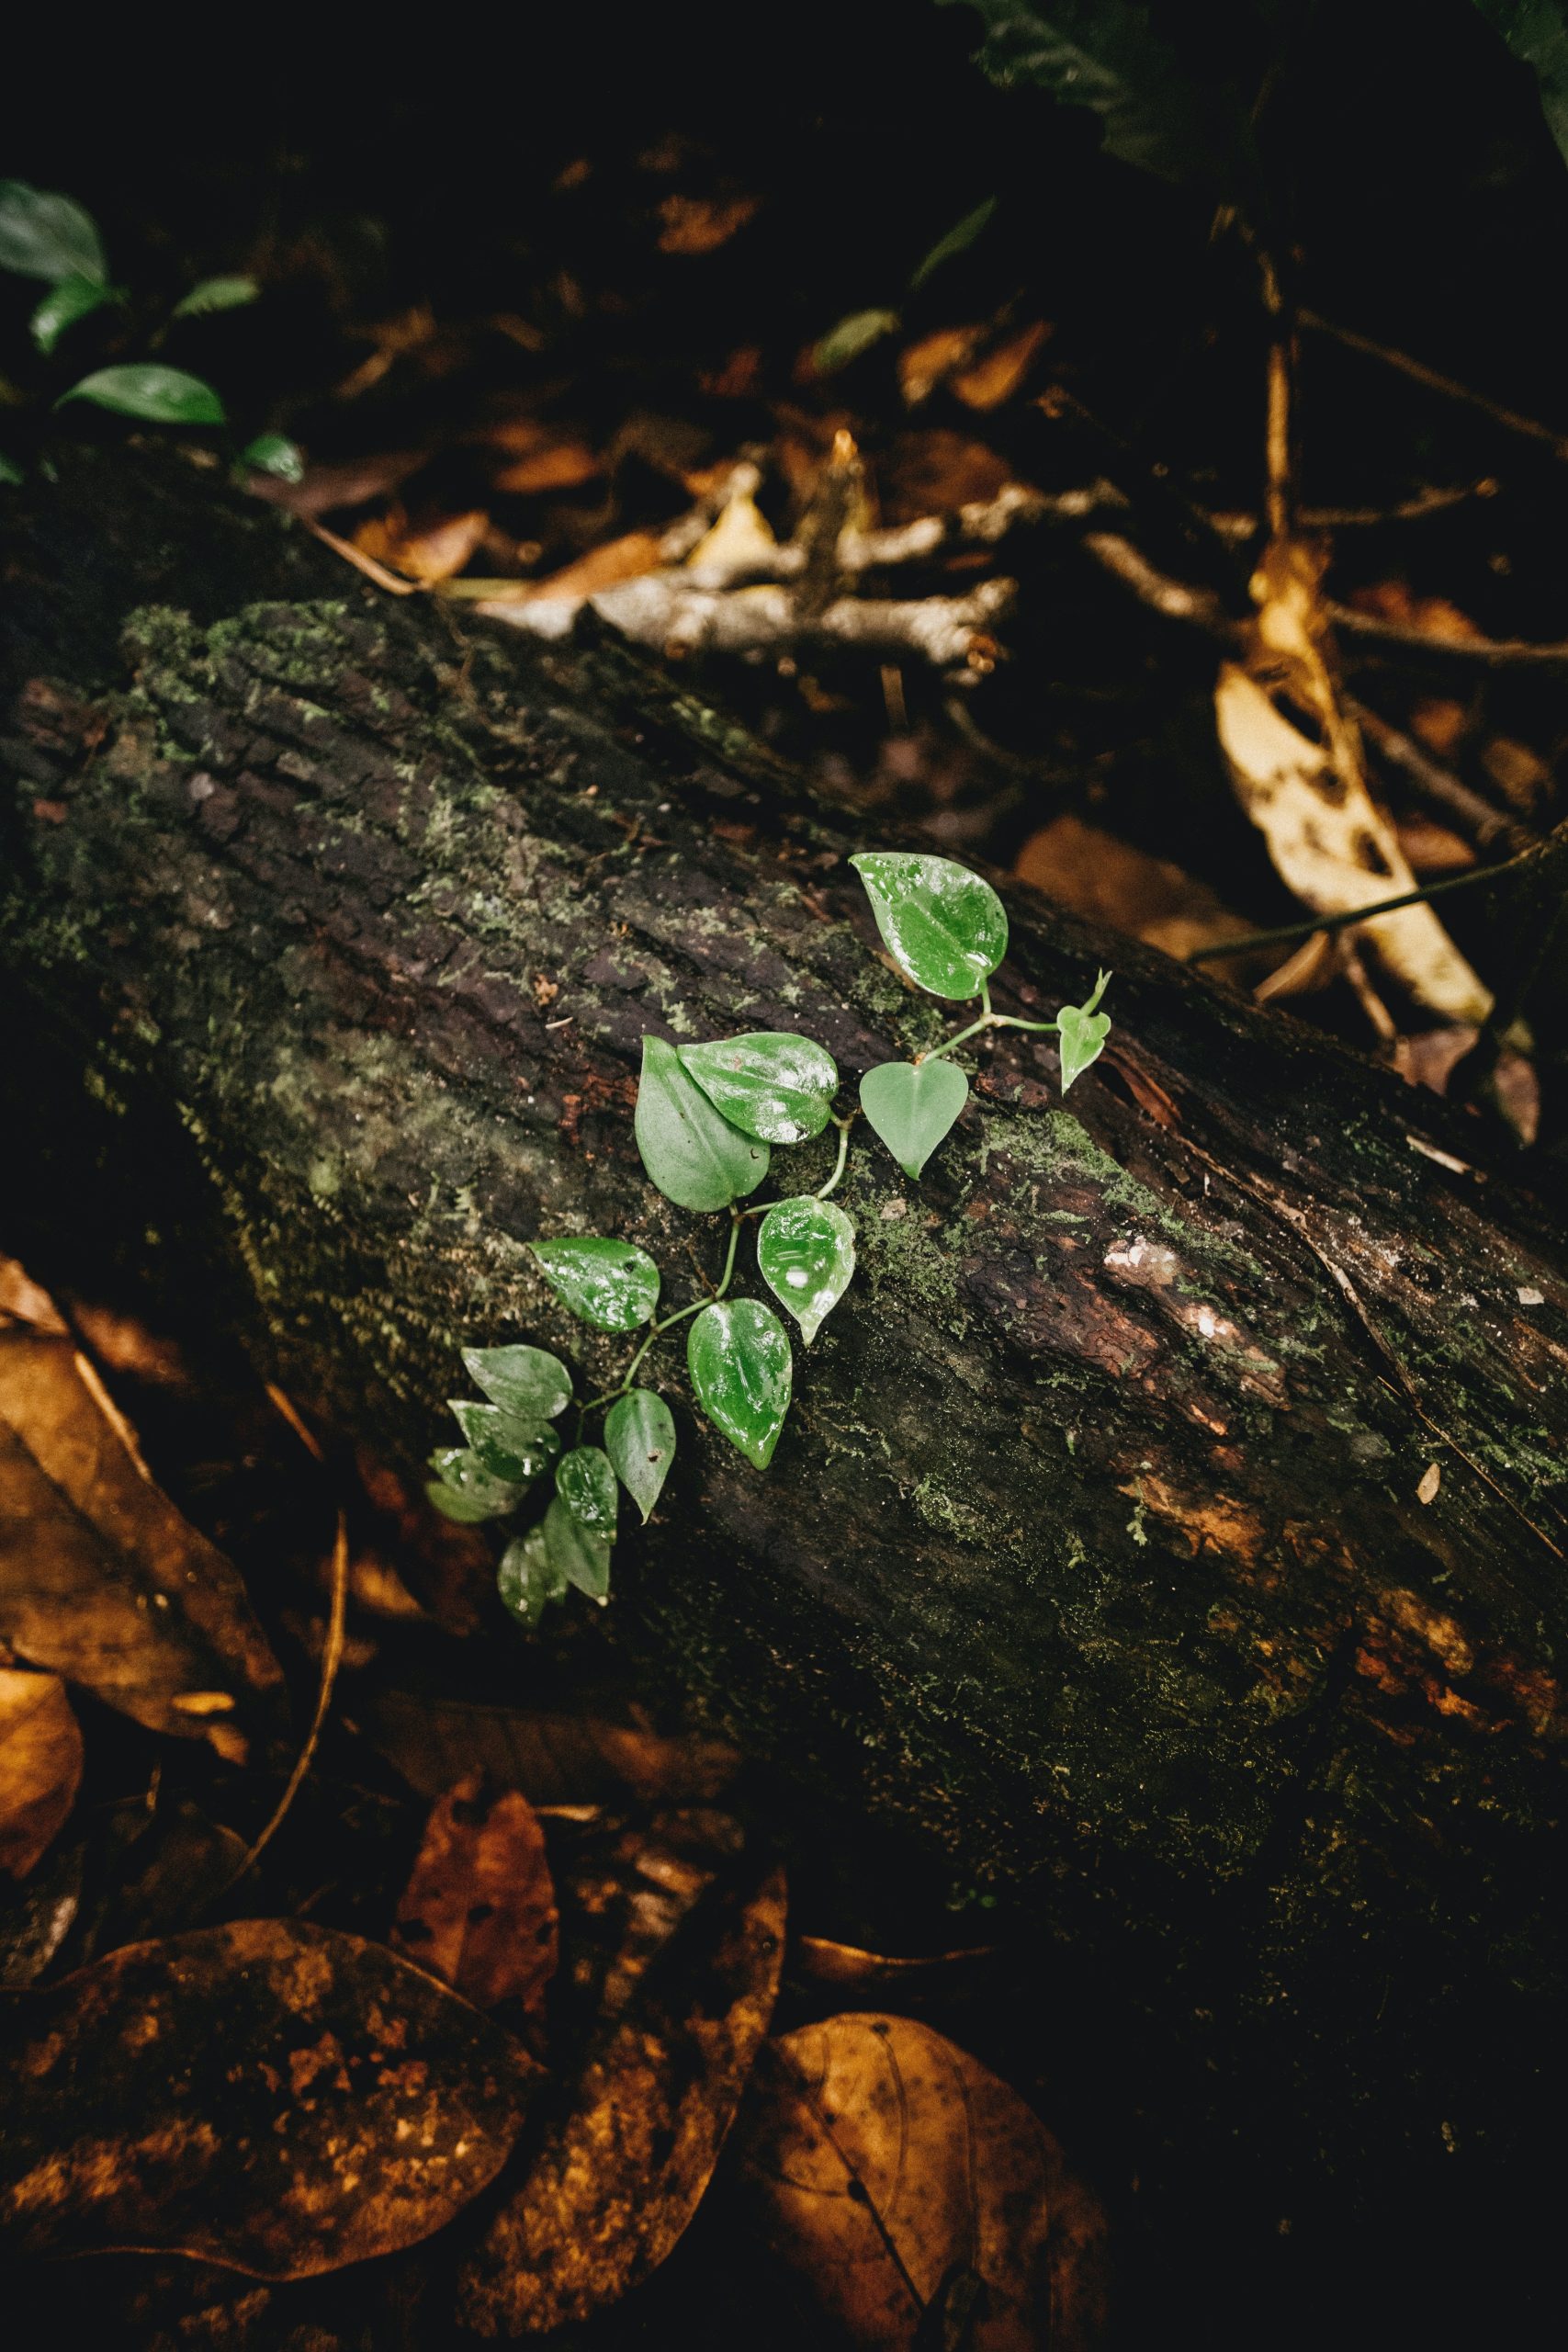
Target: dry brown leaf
(924,365)
(21,1300)
(1440,723)
(700,224)
(621,2162)
(936,471)
(1094,874)
(1521,775)
(1308,796)
(1394,600)
(434,552)
(888,2172)
(553,1758)
(820,1961)
(479,1907)
(542,456)
(603,567)
(101,1579)
(270,2096)
(1431,849)
(998,375)
(40,1766)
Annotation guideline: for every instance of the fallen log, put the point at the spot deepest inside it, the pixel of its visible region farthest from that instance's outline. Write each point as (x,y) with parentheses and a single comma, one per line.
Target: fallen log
(1170,1522)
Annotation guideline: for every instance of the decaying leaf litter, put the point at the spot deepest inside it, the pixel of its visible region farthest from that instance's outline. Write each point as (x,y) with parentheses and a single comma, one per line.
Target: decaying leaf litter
(894,534)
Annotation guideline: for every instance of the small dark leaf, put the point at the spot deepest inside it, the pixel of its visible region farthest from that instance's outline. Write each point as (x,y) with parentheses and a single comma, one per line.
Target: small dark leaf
(586,1484)
(579,1553)
(958,239)
(639,1437)
(274,454)
(1538,34)
(44,236)
(72,299)
(611,1284)
(850,337)
(465,1490)
(527,1381)
(216,294)
(506,1445)
(528,1579)
(142,388)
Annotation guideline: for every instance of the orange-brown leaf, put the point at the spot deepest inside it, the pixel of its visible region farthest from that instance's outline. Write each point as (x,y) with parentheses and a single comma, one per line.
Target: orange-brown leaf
(479,1907)
(40,1766)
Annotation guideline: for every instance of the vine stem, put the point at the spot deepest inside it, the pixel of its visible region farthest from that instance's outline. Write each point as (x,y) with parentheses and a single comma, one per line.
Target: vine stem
(667,1323)
(844,1127)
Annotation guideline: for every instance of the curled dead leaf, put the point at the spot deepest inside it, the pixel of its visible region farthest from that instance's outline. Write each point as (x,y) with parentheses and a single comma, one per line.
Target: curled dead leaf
(268,2095)
(996,376)
(890,2173)
(479,1907)
(101,1579)
(433,553)
(628,2148)
(40,1766)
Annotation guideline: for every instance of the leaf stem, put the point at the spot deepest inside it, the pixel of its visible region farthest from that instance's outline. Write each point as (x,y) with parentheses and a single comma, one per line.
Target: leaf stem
(657,1330)
(987,1021)
(844,1127)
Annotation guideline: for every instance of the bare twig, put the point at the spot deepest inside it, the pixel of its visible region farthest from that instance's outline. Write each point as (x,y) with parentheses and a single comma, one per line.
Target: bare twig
(1527,428)
(1282,934)
(1438,788)
(1497,652)
(332,1658)
(1173,598)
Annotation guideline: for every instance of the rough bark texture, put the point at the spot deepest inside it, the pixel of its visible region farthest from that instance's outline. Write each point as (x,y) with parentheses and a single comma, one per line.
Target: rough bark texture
(1094,1547)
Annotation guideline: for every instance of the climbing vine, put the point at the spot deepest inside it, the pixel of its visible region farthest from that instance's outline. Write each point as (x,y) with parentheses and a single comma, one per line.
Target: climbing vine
(709,1118)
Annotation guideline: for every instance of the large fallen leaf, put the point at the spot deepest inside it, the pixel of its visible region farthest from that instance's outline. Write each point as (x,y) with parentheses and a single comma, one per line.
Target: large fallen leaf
(101,1579)
(269,2095)
(40,1766)
(479,1907)
(888,2172)
(628,2146)
(1307,793)
(1094,873)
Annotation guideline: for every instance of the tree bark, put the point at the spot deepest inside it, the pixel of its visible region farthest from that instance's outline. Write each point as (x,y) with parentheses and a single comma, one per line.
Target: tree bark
(1101,1547)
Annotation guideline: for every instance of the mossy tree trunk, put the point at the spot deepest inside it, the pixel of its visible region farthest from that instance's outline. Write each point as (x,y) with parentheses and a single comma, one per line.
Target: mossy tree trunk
(1095,1547)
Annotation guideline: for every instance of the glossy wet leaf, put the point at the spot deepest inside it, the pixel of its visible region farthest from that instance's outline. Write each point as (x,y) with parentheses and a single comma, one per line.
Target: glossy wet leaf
(942,925)
(582,1554)
(1082,1033)
(806,1254)
(480,1908)
(528,1580)
(216,294)
(767,1083)
(850,337)
(912,1105)
(611,1284)
(586,1484)
(142,388)
(43,234)
(506,1445)
(461,1478)
(40,1766)
(527,1381)
(639,1437)
(271,2096)
(695,1156)
(275,454)
(894,2177)
(958,239)
(72,299)
(676,1940)
(739,1357)
(102,1580)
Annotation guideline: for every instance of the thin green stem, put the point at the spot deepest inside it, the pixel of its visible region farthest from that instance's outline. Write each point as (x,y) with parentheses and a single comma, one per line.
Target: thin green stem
(666,1323)
(987,1021)
(844,1127)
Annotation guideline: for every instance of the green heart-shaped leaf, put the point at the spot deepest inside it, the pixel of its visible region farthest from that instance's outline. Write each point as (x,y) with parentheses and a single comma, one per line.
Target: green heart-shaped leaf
(465,1490)
(527,1381)
(142,388)
(586,1484)
(611,1284)
(695,1156)
(506,1445)
(580,1554)
(46,235)
(639,1437)
(1082,1031)
(805,1254)
(738,1358)
(911,1105)
(768,1084)
(72,299)
(528,1579)
(940,924)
